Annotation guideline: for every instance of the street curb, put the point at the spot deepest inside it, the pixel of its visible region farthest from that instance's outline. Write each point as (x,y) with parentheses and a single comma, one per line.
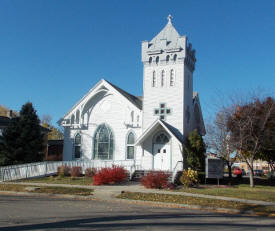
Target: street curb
(60,196)
(193,207)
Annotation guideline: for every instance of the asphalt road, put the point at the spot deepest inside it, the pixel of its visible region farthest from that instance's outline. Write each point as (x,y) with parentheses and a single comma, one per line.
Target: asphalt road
(33,213)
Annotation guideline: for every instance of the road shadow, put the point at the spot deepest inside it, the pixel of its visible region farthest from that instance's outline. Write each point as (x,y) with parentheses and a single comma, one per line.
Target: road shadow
(132,222)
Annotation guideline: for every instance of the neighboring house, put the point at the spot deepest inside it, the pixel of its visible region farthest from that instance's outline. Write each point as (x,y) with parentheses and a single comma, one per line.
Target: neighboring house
(257,165)
(109,124)
(54,150)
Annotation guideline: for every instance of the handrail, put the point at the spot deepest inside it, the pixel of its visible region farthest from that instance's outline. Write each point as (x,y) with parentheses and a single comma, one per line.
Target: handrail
(176,169)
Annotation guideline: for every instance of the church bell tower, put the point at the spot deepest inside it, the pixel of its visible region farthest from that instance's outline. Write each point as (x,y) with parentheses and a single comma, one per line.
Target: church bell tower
(168,66)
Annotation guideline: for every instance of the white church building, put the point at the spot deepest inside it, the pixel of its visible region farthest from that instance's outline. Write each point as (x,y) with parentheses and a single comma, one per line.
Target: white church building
(111,126)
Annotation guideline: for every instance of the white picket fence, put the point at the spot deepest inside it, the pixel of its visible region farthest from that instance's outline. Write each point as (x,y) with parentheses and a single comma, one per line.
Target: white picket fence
(38,169)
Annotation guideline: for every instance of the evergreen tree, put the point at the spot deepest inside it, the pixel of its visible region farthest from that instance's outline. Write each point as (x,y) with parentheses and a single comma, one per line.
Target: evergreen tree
(195,150)
(22,139)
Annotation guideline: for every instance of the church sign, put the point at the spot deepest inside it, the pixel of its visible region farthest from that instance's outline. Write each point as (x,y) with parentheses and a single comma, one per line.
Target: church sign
(214,168)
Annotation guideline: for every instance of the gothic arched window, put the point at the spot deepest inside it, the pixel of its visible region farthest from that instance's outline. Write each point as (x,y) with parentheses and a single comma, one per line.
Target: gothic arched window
(175,58)
(103,143)
(130,148)
(154,79)
(150,60)
(167,58)
(172,77)
(77,117)
(162,78)
(77,146)
(72,119)
(157,60)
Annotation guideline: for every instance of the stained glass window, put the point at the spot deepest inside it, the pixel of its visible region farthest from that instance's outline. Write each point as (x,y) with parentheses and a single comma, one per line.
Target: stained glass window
(103,143)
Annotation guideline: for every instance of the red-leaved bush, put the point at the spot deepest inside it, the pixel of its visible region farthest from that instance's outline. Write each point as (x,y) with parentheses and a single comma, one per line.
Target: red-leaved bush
(112,175)
(76,171)
(89,172)
(63,170)
(155,180)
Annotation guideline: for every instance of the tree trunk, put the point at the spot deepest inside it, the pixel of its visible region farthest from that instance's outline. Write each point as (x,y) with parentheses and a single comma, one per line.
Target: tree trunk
(251,178)
(229,171)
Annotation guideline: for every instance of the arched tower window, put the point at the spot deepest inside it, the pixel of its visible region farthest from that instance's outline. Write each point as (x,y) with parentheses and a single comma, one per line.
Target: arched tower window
(150,60)
(103,143)
(130,148)
(162,78)
(167,58)
(72,119)
(175,58)
(77,117)
(77,146)
(157,60)
(172,77)
(154,79)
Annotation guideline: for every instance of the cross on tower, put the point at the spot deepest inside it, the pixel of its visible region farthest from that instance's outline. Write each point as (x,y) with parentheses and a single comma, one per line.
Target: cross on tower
(162,111)
(169,18)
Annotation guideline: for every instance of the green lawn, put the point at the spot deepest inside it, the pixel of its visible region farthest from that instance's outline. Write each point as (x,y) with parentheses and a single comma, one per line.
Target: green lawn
(178,199)
(46,189)
(243,191)
(61,180)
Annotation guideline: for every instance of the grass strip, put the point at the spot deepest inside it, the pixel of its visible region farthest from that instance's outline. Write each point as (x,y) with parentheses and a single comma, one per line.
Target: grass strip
(263,193)
(46,189)
(61,180)
(178,199)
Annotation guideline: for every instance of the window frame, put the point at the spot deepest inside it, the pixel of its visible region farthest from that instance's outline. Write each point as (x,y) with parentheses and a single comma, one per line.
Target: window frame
(77,145)
(111,143)
(130,145)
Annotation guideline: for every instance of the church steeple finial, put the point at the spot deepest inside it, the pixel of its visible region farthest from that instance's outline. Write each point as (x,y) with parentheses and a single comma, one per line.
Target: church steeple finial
(169,18)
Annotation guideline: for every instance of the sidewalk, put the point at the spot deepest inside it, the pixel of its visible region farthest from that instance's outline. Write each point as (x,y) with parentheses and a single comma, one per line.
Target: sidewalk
(109,192)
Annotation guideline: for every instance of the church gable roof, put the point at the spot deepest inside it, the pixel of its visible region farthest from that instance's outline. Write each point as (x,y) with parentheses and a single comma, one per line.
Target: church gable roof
(136,100)
(173,132)
(102,85)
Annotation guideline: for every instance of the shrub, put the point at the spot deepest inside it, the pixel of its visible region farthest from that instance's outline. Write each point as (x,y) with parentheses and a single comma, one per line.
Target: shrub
(189,178)
(112,175)
(63,170)
(76,171)
(90,172)
(155,180)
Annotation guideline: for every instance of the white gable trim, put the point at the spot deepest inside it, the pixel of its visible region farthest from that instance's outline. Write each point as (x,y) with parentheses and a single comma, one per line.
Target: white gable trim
(93,91)
(149,130)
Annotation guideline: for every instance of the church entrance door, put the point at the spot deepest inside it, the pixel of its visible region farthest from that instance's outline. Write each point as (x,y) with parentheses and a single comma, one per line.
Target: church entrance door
(161,152)
(161,157)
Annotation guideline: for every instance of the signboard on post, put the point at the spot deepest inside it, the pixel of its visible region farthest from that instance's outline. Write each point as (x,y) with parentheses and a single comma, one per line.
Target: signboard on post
(214,168)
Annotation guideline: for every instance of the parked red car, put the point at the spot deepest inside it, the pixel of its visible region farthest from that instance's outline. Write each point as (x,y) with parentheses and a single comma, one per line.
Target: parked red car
(237,172)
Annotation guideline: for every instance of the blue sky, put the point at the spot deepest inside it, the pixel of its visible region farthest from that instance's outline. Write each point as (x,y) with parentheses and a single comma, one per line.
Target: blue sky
(52,52)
